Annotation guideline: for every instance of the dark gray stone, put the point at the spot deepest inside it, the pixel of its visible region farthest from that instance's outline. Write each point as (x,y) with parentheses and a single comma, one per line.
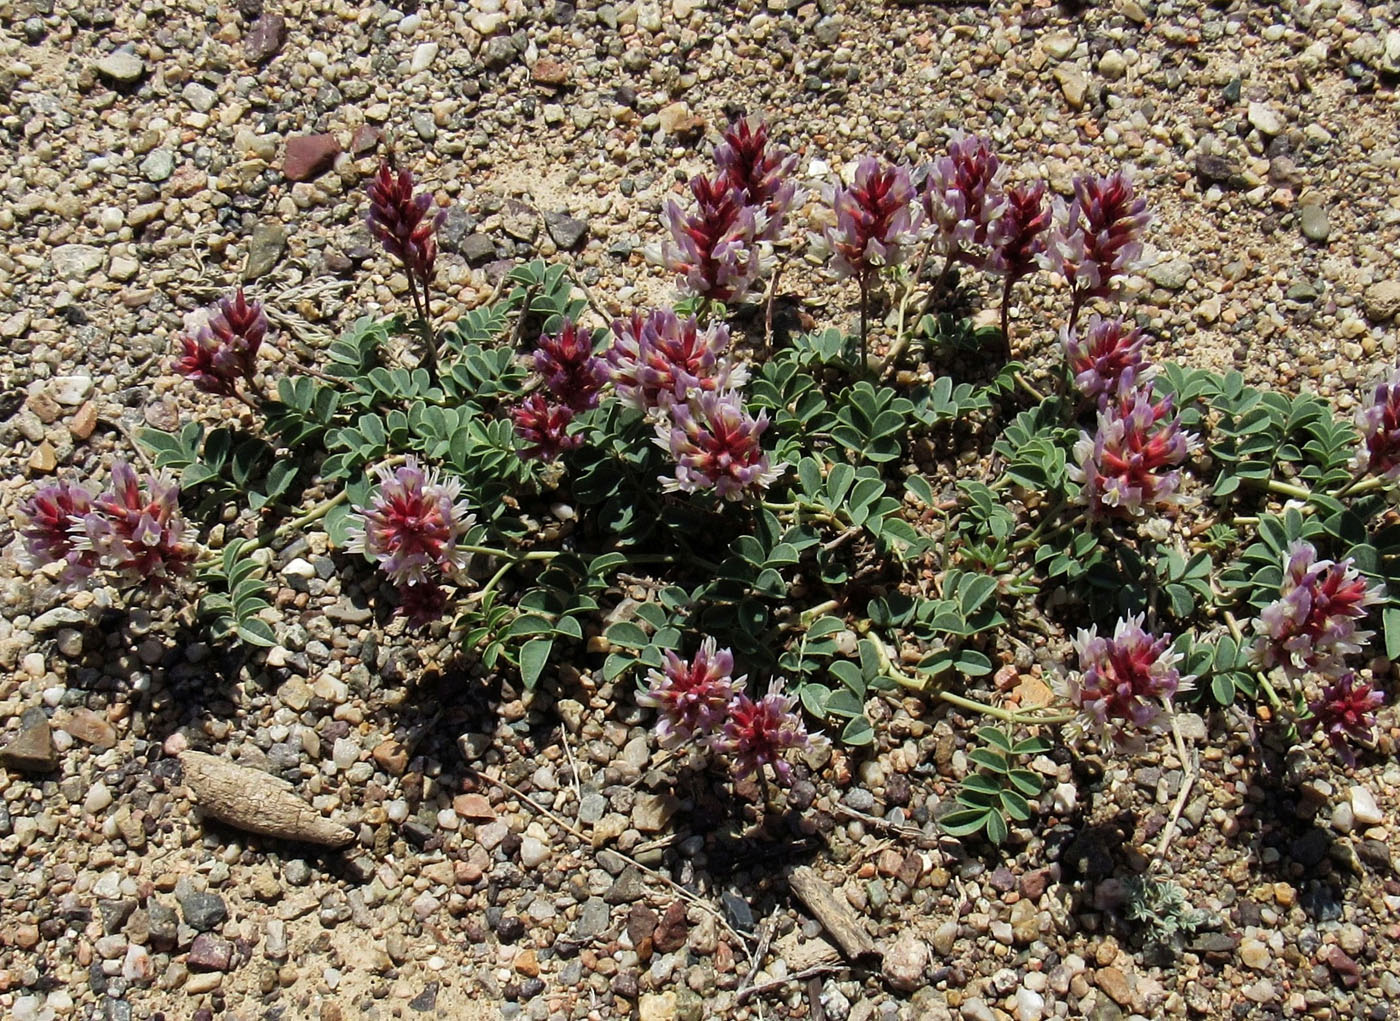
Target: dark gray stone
(568,232)
(203,910)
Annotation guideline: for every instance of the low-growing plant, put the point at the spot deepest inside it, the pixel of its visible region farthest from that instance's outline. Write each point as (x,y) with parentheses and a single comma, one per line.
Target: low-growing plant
(784,508)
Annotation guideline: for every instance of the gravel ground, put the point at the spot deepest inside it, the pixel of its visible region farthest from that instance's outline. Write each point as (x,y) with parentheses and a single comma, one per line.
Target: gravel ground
(157,154)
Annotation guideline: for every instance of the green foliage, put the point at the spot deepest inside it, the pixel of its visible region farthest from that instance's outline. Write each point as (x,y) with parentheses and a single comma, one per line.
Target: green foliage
(1162,911)
(997,792)
(236,596)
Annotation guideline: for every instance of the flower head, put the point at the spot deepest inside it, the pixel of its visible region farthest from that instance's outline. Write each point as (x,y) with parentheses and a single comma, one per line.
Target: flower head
(421,604)
(569,368)
(399,220)
(1016,238)
(139,536)
(691,699)
(413,524)
(715,251)
(543,424)
(763,175)
(1098,236)
(661,354)
(1124,467)
(962,196)
(759,733)
(1108,353)
(876,220)
(715,444)
(56,514)
(1379,424)
(1312,626)
(1346,713)
(224,349)
(1123,683)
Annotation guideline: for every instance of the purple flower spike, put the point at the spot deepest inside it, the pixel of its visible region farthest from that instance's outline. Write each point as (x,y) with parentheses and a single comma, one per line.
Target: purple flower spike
(762,732)
(1346,713)
(413,524)
(715,444)
(399,220)
(1109,353)
(569,368)
(1098,237)
(139,536)
(764,176)
(1123,683)
(715,251)
(56,514)
(663,356)
(691,699)
(962,197)
(1379,424)
(543,424)
(876,220)
(1312,626)
(422,604)
(1016,238)
(225,349)
(1123,468)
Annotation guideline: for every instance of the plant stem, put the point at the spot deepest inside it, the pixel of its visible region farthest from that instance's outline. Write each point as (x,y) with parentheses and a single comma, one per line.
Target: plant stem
(888,668)
(1191,769)
(901,339)
(864,325)
(1288,489)
(515,558)
(1006,315)
(1025,385)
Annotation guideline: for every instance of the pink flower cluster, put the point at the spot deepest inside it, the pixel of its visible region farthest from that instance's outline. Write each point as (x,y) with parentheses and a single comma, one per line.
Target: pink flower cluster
(715,444)
(702,702)
(877,221)
(1097,237)
(1126,466)
(412,526)
(1125,683)
(1312,626)
(962,197)
(658,359)
(224,349)
(1379,424)
(1105,358)
(140,537)
(720,246)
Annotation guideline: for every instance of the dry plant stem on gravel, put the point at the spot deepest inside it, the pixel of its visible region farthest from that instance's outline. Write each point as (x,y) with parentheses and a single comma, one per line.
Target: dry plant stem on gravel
(570,828)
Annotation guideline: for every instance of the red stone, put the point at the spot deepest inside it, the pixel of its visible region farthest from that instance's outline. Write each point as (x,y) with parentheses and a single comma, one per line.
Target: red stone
(309,156)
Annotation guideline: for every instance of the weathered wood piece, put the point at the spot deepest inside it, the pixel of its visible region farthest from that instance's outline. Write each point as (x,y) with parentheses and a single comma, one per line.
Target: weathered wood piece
(836,916)
(257,802)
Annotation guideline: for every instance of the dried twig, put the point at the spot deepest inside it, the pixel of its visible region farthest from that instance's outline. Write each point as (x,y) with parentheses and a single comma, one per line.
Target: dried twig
(765,938)
(836,916)
(569,827)
(921,839)
(1191,768)
(801,976)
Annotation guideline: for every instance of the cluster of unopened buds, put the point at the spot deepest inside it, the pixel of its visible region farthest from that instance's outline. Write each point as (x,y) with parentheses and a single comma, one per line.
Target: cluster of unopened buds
(702,703)
(136,534)
(221,349)
(1125,685)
